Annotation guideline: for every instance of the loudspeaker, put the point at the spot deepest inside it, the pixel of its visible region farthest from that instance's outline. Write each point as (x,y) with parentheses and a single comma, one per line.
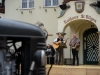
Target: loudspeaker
(63,6)
(98,3)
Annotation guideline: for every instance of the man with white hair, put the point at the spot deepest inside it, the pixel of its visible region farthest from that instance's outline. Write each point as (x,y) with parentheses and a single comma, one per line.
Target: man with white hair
(75,43)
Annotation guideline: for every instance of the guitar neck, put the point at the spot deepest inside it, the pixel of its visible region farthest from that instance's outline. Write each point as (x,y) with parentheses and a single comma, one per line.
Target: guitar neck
(66,40)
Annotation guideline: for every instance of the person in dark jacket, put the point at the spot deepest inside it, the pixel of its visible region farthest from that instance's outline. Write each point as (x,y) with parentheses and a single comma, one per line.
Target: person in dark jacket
(50,54)
(50,50)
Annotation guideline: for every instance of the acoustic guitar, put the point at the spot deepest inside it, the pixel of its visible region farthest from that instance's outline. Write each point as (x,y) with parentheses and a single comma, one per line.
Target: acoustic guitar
(60,44)
(76,46)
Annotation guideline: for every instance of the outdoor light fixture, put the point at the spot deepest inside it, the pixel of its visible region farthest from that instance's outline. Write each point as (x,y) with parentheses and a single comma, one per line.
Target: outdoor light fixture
(97,4)
(64,6)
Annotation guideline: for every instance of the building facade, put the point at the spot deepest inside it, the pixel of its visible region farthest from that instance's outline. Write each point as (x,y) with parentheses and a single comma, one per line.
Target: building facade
(82,18)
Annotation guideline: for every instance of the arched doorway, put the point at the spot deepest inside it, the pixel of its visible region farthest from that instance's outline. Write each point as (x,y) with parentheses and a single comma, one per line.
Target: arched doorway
(90,46)
(79,27)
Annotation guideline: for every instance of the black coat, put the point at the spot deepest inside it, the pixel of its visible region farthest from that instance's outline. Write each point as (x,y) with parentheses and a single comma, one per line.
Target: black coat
(52,51)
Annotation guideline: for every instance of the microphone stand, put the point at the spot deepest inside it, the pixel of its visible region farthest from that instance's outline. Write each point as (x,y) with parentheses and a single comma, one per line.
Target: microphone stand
(49,69)
(70,55)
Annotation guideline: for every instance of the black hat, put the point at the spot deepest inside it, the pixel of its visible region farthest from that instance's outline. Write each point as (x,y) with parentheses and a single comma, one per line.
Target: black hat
(61,33)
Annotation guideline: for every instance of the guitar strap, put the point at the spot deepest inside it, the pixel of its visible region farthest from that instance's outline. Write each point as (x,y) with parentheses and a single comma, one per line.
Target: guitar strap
(74,41)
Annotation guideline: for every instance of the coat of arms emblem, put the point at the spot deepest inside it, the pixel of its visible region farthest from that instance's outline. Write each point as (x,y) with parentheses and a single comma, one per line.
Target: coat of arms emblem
(79,6)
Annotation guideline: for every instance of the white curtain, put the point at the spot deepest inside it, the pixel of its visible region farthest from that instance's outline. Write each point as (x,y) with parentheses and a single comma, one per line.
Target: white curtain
(47,2)
(24,3)
(31,3)
(55,2)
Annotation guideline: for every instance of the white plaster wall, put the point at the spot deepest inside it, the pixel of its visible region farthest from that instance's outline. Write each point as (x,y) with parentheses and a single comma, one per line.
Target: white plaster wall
(67,50)
(69,31)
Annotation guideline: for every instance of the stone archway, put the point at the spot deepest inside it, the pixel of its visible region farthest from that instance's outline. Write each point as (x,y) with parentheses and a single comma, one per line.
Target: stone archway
(78,27)
(78,24)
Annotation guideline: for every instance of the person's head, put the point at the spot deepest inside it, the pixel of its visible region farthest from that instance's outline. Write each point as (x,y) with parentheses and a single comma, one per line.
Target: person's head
(59,35)
(49,45)
(74,35)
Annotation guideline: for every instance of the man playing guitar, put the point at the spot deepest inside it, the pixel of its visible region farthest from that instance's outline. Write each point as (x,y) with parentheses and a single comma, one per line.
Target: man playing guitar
(59,50)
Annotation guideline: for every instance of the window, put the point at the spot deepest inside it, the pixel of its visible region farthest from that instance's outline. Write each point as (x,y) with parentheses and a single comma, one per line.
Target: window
(51,2)
(0,2)
(27,3)
(55,2)
(2,6)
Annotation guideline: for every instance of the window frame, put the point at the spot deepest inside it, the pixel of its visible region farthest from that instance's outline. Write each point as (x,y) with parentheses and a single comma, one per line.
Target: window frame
(27,5)
(52,4)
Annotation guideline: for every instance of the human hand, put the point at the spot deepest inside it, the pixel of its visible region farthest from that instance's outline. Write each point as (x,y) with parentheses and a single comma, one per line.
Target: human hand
(57,43)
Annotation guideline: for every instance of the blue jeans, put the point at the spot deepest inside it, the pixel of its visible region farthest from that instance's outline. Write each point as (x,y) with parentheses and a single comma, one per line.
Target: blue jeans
(59,56)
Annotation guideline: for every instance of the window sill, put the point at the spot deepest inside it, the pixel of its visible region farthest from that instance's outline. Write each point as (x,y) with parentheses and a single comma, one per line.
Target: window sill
(26,8)
(50,6)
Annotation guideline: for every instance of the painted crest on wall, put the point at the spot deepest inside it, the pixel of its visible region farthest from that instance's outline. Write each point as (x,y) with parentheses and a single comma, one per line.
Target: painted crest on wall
(79,6)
